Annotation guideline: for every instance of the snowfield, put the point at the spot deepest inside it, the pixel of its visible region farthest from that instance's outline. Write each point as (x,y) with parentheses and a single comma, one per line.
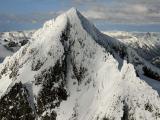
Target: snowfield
(69,70)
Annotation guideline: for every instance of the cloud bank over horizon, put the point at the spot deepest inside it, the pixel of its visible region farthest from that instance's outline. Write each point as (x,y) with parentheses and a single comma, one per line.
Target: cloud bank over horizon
(116,11)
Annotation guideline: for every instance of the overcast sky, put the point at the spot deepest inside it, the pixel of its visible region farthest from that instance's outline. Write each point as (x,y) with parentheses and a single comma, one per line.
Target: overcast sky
(128,15)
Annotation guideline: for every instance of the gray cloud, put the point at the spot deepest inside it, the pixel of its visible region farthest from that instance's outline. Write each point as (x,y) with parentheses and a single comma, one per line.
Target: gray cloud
(120,1)
(118,11)
(122,11)
(126,12)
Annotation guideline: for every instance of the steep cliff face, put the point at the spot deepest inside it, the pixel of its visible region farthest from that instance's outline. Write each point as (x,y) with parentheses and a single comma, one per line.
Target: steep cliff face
(71,71)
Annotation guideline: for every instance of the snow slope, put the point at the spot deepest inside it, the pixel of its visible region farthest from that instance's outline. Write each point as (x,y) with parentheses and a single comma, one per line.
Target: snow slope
(71,71)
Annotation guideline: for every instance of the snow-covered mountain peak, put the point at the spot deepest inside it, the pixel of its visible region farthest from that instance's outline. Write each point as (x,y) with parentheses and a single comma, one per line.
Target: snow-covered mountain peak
(63,17)
(67,24)
(72,11)
(71,71)
(72,17)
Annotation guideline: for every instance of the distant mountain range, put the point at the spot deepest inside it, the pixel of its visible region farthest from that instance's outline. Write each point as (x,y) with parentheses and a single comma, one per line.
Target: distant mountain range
(10,42)
(146,44)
